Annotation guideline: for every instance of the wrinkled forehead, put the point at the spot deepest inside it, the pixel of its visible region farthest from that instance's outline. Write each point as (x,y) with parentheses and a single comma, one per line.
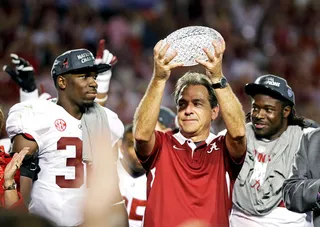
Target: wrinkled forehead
(191,92)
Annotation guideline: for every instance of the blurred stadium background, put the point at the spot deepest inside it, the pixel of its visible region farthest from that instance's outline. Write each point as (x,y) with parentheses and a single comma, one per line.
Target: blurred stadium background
(281,37)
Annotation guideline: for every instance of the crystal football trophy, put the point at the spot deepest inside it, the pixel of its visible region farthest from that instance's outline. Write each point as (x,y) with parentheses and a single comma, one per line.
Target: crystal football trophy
(189,43)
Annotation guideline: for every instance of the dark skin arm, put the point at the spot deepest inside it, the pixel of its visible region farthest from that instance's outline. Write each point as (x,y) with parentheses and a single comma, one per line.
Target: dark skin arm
(19,142)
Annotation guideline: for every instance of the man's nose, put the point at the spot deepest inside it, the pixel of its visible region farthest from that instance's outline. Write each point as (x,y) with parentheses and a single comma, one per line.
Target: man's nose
(260,114)
(188,109)
(93,82)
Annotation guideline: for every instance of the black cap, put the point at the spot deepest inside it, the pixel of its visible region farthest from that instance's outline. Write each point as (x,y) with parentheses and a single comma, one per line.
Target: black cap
(271,85)
(74,60)
(167,117)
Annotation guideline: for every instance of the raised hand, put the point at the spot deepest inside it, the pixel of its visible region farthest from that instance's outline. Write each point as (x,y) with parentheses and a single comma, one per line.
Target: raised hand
(214,64)
(162,65)
(14,164)
(104,56)
(22,73)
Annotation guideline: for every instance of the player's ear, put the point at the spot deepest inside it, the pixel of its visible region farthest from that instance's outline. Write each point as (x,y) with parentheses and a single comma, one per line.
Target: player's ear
(61,82)
(286,111)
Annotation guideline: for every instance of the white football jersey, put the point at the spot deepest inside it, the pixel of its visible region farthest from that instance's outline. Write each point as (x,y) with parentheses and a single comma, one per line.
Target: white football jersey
(5,144)
(61,186)
(134,192)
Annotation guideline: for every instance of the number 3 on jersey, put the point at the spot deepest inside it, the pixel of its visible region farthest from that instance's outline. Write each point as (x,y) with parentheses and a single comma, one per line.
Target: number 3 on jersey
(61,181)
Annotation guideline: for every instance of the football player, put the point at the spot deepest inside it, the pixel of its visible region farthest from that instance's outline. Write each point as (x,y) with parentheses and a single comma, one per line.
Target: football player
(22,73)
(132,180)
(54,131)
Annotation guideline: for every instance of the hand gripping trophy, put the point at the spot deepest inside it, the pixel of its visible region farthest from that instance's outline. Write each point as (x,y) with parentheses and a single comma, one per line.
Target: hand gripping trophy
(189,43)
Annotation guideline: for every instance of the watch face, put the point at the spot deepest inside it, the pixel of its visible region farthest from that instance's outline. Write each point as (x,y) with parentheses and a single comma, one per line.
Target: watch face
(13,186)
(223,82)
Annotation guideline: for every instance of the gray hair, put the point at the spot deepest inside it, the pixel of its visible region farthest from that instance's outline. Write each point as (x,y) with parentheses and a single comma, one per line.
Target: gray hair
(194,78)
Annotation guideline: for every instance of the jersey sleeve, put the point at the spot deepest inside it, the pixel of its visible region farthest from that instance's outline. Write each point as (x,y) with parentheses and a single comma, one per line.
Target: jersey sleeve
(30,118)
(116,126)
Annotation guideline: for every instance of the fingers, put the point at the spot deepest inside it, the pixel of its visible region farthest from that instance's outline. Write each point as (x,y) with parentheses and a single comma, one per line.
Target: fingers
(113,61)
(12,73)
(107,57)
(25,68)
(18,157)
(163,51)
(160,52)
(100,49)
(23,152)
(222,44)
(19,61)
(170,57)
(163,63)
(218,51)
(157,48)
(218,48)
(209,54)
(104,55)
(175,65)
(204,63)
(8,69)
(15,59)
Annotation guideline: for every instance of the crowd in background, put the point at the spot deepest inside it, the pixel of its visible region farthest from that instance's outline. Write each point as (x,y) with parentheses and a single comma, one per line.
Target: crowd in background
(262,36)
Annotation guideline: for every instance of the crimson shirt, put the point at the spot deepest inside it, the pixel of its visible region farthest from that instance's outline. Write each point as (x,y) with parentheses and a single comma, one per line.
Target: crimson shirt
(185,181)
(4,160)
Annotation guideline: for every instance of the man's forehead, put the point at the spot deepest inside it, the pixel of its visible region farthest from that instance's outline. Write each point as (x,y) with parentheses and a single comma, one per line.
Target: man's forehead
(265,99)
(191,99)
(197,89)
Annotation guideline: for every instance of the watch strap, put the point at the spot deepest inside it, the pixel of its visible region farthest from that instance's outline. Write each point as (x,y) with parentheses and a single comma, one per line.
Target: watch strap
(12,186)
(221,84)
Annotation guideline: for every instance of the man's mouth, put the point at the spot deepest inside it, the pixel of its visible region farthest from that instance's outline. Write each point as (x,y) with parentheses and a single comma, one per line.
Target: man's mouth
(259,125)
(189,120)
(92,94)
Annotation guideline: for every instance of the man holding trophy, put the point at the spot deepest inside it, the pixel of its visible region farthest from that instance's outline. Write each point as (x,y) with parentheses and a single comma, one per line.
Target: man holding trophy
(190,173)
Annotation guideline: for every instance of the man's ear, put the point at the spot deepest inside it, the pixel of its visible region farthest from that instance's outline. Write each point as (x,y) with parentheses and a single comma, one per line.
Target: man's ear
(61,82)
(286,111)
(215,112)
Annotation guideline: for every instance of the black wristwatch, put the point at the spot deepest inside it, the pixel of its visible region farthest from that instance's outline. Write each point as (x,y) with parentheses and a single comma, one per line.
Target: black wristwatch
(222,84)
